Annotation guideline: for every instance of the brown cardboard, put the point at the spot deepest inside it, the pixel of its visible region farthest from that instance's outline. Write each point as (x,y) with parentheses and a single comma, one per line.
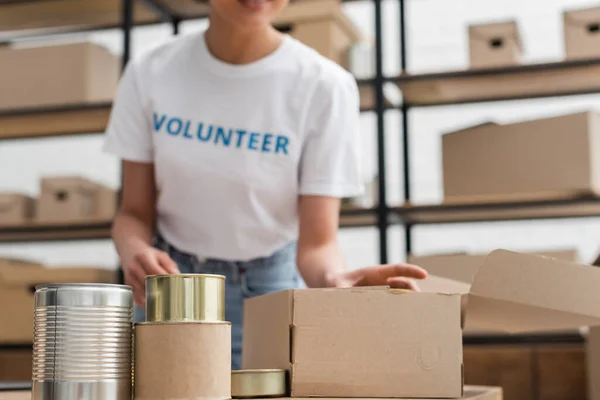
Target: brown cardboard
(494,45)
(470,393)
(561,372)
(582,33)
(321,25)
(71,199)
(462,267)
(593,363)
(183,361)
(17,286)
(15,208)
(520,293)
(16,395)
(358,342)
(16,365)
(89,76)
(544,158)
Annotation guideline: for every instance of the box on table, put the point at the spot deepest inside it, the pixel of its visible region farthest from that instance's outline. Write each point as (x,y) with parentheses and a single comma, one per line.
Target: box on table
(69,199)
(540,159)
(17,287)
(494,45)
(15,208)
(57,75)
(582,33)
(388,343)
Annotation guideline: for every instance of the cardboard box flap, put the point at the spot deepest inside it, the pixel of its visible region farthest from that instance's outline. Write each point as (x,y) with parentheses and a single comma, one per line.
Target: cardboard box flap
(268,331)
(588,17)
(515,292)
(497,31)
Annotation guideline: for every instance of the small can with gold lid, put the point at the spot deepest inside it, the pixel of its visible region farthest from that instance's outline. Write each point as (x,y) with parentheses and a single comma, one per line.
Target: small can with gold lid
(185,298)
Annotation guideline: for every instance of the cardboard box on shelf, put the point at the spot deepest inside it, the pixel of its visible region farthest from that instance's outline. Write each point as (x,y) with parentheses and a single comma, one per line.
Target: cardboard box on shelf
(548,158)
(582,33)
(593,363)
(321,25)
(15,395)
(17,287)
(15,365)
(310,331)
(72,199)
(495,45)
(15,208)
(90,75)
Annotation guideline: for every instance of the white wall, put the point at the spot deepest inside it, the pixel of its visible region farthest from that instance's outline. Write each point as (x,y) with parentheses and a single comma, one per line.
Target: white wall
(436,41)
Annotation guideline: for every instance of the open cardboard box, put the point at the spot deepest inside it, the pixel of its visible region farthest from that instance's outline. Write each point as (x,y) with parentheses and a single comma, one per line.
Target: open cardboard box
(379,342)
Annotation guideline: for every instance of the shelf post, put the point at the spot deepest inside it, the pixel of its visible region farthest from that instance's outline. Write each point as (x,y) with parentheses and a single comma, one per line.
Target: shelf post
(405,131)
(382,206)
(126,25)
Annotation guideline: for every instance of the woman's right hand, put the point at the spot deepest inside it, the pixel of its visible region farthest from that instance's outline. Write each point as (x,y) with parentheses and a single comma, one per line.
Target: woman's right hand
(149,261)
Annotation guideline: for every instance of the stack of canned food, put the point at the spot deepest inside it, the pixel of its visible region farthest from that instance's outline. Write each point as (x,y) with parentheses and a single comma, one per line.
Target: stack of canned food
(83,344)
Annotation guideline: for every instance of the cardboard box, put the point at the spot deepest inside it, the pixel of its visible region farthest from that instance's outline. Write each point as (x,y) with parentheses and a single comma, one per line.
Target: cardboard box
(15,208)
(561,372)
(495,45)
(17,287)
(582,33)
(593,363)
(16,365)
(17,395)
(321,25)
(71,74)
(72,199)
(353,342)
(546,158)
(182,361)
(347,342)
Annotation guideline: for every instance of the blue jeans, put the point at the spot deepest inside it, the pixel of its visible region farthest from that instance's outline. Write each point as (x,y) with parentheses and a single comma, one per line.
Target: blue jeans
(243,280)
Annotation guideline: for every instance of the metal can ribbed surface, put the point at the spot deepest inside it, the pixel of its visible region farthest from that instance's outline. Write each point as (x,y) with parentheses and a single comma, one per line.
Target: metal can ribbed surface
(252,383)
(185,298)
(82,342)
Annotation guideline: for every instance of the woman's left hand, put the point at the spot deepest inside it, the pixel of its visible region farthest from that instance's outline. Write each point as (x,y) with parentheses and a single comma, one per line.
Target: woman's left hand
(398,276)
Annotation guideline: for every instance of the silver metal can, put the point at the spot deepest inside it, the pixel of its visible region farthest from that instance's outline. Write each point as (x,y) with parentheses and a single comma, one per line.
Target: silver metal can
(82,342)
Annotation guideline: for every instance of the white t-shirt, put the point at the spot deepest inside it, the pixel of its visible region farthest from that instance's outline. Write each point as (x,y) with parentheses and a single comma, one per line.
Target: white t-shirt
(233,146)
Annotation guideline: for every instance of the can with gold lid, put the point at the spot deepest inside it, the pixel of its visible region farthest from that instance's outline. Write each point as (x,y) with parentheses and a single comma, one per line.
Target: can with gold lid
(258,383)
(185,298)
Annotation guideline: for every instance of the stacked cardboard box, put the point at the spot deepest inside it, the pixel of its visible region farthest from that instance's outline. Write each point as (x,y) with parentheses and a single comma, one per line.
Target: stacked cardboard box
(541,159)
(378,342)
(495,45)
(582,33)
(61,200)
(72,74)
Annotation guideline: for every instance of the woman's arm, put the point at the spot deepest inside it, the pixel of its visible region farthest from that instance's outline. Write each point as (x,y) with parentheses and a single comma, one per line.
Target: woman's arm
(320,261)
(134,226)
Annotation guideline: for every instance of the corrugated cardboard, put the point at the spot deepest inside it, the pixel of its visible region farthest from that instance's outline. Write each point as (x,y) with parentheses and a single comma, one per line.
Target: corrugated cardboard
(544,158)
(15,365)
(17,286)
(346,342)
(462,267)
(321,25)
(71,74)
(183,361)
(470,393)
(593,363)
(521,293)
(19,395)
(495,45)
(71,199)
(582,33)
(358,342)
(15,208)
